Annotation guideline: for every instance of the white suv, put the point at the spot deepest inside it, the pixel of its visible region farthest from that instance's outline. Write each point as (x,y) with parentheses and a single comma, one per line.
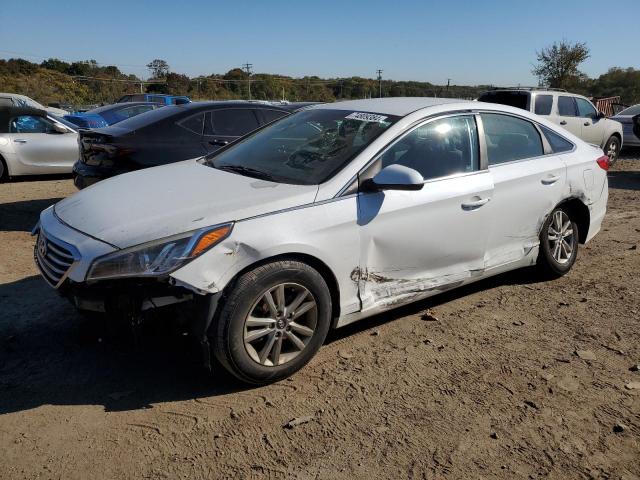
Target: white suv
(573,112)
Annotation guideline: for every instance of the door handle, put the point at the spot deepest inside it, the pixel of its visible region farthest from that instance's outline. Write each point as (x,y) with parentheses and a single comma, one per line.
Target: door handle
(550,180)
(586,124)
(563,122)
(19,140)
(219,143)
(475,203)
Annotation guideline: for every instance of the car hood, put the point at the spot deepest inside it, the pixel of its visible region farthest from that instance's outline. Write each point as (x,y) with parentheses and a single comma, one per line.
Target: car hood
(150,204)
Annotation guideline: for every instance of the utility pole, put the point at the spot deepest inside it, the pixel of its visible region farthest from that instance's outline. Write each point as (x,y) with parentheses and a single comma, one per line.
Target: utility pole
(247,68)
(448,83)
(379,71)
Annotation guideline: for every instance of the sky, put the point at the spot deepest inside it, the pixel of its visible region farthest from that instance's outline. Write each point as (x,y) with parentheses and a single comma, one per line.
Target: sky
(469,42)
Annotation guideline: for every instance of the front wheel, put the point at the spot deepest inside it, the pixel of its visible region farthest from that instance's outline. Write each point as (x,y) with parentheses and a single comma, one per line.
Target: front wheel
(558,243)
(272,321)
(612,149)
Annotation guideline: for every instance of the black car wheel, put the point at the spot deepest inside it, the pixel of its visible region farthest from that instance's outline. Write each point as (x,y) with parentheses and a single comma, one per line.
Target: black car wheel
(272,321)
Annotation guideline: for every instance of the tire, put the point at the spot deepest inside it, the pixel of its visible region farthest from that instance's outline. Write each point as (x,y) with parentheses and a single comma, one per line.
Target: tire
(555,260)
(4,172)
(290,336)
(612,149)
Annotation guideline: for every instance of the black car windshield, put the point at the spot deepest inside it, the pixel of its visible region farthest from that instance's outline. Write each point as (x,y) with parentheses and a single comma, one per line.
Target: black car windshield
(306,148)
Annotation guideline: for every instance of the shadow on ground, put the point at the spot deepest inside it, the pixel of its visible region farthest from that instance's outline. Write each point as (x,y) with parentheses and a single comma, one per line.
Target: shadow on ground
(52,355)
(22,216)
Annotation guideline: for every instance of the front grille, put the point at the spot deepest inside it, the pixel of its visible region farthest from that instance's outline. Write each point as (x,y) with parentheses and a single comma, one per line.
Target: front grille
(53,259)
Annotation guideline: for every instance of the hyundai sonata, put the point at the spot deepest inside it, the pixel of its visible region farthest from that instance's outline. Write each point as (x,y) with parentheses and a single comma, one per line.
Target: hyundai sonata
(325,217)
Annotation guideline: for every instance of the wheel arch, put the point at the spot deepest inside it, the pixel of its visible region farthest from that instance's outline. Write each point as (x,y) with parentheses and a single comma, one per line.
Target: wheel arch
(579,212)
(5,174)
(321,267)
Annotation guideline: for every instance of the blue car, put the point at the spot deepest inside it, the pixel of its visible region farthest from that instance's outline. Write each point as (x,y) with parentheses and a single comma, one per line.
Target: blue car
(109,114)
(159,98)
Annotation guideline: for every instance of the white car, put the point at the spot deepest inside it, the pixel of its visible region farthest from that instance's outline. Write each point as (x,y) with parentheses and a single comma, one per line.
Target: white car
(17,100)
(326,217)
(573,112)
(34,143)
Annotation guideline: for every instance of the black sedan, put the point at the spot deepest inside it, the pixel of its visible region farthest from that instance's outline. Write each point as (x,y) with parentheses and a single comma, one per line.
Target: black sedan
(169,134)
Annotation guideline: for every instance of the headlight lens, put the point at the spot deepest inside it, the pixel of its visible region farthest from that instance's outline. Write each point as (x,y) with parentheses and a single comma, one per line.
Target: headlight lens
(159,257)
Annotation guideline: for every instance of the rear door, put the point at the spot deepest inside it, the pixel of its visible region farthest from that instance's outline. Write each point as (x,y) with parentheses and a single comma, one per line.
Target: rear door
(224,125)
(567,115)
(528,182)
(39,147)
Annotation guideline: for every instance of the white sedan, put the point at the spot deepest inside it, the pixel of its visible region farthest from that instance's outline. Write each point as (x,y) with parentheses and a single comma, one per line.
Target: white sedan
(33,142)
(325,217)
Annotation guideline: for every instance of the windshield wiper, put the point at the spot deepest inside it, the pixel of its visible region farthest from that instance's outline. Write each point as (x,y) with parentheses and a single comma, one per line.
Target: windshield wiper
(248,171)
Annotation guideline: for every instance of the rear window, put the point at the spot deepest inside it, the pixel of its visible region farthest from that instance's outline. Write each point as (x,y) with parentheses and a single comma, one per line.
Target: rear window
(635,110)
(141,121)
(513,99)
(543,104)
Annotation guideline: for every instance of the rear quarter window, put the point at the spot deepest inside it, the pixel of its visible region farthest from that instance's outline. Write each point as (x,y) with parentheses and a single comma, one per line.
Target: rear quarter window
(557,142)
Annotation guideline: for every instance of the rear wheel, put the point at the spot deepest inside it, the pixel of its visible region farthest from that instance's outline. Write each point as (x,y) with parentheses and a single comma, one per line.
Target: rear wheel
(558,243)
(272,322)
(612,149)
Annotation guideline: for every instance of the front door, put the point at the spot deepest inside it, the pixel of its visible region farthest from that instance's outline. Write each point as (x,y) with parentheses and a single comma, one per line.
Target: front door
(417,243)
(592,124)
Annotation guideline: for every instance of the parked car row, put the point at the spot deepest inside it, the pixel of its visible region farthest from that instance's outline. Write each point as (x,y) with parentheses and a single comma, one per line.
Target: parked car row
(328,215)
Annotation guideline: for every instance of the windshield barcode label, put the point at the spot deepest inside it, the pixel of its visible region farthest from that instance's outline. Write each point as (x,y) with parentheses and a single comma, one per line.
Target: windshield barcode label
(366,117)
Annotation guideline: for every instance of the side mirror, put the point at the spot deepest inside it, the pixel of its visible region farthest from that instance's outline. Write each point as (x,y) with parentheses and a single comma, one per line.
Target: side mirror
(600,115)
(59,128)
(395,177)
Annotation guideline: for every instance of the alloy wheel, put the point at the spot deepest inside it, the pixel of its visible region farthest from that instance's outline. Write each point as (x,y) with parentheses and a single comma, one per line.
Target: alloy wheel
(561,237)
(612,151)
(280,324)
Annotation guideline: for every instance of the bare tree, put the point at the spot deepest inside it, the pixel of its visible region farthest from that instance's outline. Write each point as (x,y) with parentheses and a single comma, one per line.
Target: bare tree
(158,68)
(558,64)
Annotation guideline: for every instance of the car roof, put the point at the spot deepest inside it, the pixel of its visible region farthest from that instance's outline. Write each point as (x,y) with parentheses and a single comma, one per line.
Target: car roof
(400,106)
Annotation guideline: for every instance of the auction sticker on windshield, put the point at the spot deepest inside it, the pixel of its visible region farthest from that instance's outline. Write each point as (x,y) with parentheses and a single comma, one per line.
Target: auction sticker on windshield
(366,117)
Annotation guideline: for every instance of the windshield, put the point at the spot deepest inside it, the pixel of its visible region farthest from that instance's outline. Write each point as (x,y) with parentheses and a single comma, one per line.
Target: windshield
(64,122)
(306,148)
(635,110)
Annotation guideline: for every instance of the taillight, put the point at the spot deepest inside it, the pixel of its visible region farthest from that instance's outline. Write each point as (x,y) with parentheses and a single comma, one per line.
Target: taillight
(603,162)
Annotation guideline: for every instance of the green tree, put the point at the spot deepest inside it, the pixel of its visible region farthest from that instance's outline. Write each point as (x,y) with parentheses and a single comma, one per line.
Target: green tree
(558,64)
(158,68)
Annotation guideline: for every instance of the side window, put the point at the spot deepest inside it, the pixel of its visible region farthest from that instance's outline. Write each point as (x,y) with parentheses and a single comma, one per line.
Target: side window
(510,138)
(585,109)
(558,144)
(179,101)
(566,106)
(437,149)
(30,124)
(271,115)
(194,123)
(156,99)
(232,122)
(543,104)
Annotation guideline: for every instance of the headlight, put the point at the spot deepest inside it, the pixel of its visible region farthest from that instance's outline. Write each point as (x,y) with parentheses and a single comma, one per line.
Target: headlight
(159,257)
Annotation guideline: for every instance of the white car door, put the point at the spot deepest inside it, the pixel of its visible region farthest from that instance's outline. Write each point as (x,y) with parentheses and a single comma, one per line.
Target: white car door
(592,124)
(528,182)
(39,147)
(567,115)
(416,243)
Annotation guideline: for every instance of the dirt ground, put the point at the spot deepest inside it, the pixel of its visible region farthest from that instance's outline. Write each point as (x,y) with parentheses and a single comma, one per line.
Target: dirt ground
(488,386)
